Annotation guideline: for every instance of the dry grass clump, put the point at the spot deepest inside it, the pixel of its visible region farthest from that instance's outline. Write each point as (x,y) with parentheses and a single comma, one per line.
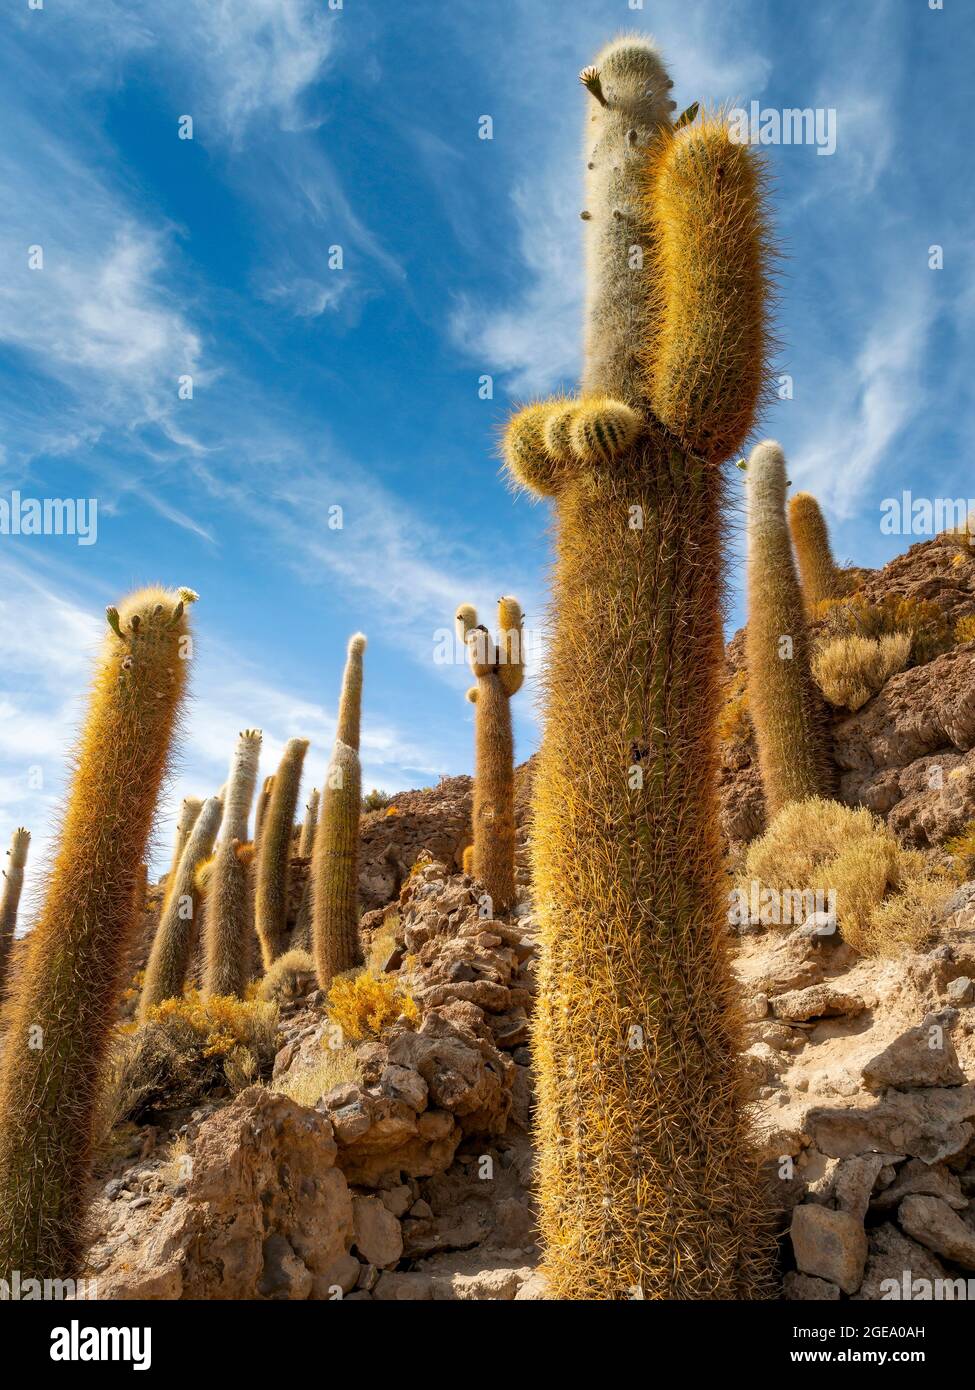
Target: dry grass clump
(924,621)
(962,851)
(366,1006)
(887,898)
(965,628)
(734,721)
(186,1048)
(306,1085)
(286,975)
(849,670)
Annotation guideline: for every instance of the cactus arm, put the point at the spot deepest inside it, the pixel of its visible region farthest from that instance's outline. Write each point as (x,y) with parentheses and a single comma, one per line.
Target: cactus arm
(511,645)
(335,868)
(240,785)
(64,1004)
(494,791)
(171,946)
(782,698)
(350,702)
(271,889)
(810,537)
(306,841)
(620,317)
(13,883)
(705,367)
(228,921)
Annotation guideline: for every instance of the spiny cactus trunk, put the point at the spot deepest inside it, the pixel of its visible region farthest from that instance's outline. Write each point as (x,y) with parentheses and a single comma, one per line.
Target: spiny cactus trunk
(646,1181)
(820,578)
(306,841)
(271,894)
(65,1002)
(228,923)
(494,794)
(786,708)
(173,942)
(13,884)
(335,869)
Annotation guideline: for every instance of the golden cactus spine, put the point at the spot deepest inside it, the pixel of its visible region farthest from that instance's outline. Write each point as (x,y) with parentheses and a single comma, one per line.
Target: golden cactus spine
(810,536)
(13,883)
(335,857)
(782,699)
(646,1177)
(271,890)
(499,670)
(172,944)
(64,1005)
(229,914)
(306,842)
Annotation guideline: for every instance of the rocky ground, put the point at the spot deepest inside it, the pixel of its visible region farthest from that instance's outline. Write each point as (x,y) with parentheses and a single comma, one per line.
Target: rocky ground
(413,1179)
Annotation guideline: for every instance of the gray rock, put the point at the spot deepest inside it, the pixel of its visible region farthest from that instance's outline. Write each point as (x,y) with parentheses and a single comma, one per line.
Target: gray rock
(892,1257)
(923,1056)
(961,990)
(923,1180)
(932,1222)
(930,1124)
(829,1244)
(378,1235)
(804,1288)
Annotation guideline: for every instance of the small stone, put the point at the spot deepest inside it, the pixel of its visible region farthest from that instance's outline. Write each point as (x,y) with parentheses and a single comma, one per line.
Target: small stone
(378,1234)
(961,990)
(932,1222)
(368,1278)
(923,1056)
(421,1210)
(756,1007)
(829,1244)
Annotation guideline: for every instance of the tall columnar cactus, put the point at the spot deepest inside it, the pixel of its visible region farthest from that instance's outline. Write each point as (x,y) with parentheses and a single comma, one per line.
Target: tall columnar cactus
(190,808)
(263,802)
(647,1184)
(500,670)
(172,945)
(785,708)
(306,841)
(64,1004)
(810,535)
(271,895)
(228,918)
(13,883)
(335,857)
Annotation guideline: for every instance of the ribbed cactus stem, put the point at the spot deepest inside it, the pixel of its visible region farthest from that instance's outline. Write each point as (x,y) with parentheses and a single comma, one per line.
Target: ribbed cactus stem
(306,842)
(350,702)
(500,670)
(229,920)
(782,698)
(239,790)
(263,801)
(335,868)
(64,1005)
(229,913)
(271,893)
(647,1184)
(190,808)
(172,945)
(810,536)
(13,883)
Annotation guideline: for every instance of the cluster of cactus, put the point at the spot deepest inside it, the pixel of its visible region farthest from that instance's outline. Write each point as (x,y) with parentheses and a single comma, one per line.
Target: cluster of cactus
(499,669)
(646,1181)
(784,703)
(63,1006)
(335,856)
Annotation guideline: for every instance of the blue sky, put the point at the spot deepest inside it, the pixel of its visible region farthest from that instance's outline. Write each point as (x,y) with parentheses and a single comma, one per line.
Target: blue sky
(358,387)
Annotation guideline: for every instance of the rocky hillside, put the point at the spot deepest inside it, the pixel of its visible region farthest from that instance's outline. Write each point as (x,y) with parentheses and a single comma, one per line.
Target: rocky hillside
(404,1172)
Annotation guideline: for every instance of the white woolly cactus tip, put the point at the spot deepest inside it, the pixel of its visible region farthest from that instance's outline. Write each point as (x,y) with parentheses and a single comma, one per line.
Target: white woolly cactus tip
(629,75)
(357,644)
(766,470)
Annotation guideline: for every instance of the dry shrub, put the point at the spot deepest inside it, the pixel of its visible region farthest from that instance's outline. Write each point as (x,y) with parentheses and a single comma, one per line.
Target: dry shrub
(887,898)
(907,921)
(965,628)
(187,1048)
(383,944)
(286,975)
(365,1006)
(849,670)
(307,1085)
(962,851)
(924,621)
